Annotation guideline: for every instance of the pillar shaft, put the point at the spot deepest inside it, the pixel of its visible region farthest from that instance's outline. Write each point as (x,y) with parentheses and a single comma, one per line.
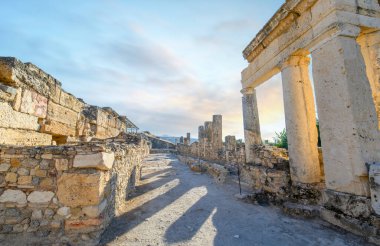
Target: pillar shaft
(370,47)
(217,138)
(252,133)
(348,121)
(208,131)
(300,120)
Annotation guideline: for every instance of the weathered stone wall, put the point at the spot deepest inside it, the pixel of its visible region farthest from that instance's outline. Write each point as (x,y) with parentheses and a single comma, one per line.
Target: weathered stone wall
(35,110)
(66,193)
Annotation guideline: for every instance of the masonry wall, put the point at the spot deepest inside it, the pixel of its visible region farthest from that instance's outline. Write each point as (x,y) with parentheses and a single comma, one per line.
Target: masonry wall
(66,194)
(35,110)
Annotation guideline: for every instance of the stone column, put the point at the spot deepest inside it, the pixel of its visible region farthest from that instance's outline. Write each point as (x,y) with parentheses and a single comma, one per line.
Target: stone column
(208,131)
(348,121)
(230,143)
(370,47)
(252,133)
(181,140)
(188,137)
(217,138)
(201,132)
(300,120)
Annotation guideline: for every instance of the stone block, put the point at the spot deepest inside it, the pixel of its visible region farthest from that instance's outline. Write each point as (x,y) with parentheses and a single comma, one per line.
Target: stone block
(63,211)
(23,137)
(61,114)
(101,161)
(13,119)
(61,164)
(34,104)
(15,162)
(83,224)
(23,171)
(11,177)
(40,197)
(374,182)
(40,173)
(69,101)
(4,167)
(95,211)
(349,204)
(14,196)
(24,180)
(80,189)
(57,128)
(47,184)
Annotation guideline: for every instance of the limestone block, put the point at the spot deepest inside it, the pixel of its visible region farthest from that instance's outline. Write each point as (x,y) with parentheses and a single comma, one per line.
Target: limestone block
(7,93)
(37,214)
(13,119)
(69,101)
(106,132)
(61,114)
(4,167)
(101,161)
(16,196)
(11,177)
(80,189)
(23,137)
(95,211)
(374,182)
(83,224)
(24,180)
(40,196)
(57,128)
(61,164)
(34,104)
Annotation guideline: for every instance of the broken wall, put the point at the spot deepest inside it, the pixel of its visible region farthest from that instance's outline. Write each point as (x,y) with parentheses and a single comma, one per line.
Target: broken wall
(35,110)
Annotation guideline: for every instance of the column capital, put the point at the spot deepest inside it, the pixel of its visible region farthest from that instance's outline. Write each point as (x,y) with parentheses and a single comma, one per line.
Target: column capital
(247,91)
(295,61)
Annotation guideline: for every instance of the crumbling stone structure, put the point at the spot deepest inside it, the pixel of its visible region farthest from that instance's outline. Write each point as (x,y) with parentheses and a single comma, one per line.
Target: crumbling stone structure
(35,110)
(342,39)
(66,167)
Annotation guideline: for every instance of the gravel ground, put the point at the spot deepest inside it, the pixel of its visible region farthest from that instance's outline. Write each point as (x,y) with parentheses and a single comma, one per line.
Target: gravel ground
(175,206)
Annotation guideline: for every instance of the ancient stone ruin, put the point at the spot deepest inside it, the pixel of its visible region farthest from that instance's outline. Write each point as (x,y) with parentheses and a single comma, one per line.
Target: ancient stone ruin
(338,182)
(66,167)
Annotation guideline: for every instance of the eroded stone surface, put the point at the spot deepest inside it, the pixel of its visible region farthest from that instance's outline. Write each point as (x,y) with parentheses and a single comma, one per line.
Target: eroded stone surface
(101,160)
(15,196)
(40,196)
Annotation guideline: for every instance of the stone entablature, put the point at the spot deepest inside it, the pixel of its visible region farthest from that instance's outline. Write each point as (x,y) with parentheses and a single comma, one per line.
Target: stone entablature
(66,194)
(35,110)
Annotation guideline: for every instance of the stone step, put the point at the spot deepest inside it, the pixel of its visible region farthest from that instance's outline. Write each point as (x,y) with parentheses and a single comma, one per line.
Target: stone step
(302,210)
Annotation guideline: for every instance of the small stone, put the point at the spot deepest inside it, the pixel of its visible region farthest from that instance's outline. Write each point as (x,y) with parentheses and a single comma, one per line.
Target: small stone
(46,183)
(16,196)
(37,214)
(35,180)
(12,212)
(47,156)
(55,224)
(18,228)
(40,196)
(11,177)
(44,164)
(85,237)
(236,236)
(64,211)
(61,164)
(4,167)
(24,180)
(48,213)
(23,171)
(15,162)
(40,173)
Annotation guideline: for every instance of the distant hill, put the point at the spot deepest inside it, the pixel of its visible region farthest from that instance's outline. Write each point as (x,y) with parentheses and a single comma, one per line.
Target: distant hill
(175,140)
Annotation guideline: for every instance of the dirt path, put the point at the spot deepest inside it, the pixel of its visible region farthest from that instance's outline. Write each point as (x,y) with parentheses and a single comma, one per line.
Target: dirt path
(175,206)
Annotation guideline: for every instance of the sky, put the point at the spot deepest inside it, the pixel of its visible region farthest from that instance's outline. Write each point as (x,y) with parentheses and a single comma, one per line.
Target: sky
(168,65)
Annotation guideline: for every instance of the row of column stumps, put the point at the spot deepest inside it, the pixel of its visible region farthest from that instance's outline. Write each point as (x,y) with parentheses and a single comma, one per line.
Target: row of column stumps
(347,104)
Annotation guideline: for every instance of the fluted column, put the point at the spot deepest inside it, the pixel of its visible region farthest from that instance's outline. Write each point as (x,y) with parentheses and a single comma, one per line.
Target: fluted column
(300,120)
(252,133)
